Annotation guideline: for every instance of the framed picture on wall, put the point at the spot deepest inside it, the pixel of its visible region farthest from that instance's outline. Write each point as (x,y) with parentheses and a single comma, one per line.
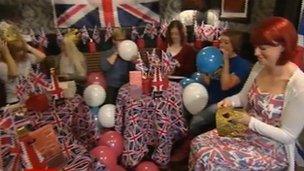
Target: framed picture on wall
(235,10)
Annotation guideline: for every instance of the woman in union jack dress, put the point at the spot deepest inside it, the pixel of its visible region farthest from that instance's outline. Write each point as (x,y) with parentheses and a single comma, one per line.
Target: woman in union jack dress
(272,97)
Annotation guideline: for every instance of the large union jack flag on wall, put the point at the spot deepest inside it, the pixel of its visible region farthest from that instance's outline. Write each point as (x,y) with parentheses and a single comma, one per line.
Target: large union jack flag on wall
(102,13)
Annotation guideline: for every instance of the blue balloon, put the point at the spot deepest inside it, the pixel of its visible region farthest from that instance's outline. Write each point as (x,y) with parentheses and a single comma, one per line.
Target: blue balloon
(197,77)
(209,59)
(186,81)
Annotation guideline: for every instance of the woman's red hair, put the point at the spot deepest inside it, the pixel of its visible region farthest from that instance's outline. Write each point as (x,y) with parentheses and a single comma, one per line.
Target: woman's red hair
(277,30)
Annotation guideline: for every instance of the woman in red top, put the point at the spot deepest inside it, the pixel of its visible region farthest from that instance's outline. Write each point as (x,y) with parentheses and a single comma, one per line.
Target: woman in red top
(180,50)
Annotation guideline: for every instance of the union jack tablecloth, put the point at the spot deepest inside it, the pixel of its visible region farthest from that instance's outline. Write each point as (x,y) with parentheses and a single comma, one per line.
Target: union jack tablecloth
(147,121)
(75,130)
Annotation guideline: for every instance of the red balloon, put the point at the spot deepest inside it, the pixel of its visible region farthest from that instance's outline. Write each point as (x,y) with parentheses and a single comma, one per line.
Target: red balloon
(37,102)
(119,168)
(146,166)
(113,140)
(96,78)
(105,156)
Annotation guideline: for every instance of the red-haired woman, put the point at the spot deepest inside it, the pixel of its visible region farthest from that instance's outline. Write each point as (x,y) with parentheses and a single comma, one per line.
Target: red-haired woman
(180,50)
(272,97)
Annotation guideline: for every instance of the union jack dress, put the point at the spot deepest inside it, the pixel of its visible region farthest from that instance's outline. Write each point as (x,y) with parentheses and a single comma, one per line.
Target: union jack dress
(209,151)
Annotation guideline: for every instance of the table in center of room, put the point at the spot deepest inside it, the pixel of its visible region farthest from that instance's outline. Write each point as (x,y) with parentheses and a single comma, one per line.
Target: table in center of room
(149,121)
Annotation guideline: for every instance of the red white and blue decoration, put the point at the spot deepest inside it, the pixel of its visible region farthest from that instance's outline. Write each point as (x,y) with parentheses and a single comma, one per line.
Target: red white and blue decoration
(115,13)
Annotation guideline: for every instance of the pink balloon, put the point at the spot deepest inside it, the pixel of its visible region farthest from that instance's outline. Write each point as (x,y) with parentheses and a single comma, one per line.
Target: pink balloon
(146,166)
(113,140)
(97,78)
(105,156)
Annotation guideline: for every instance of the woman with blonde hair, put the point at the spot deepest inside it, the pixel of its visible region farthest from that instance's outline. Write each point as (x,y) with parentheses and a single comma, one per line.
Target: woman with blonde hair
(18,57)
(72,62)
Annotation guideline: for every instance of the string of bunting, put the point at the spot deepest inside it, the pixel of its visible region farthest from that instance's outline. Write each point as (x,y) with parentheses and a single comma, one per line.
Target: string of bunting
(201,32)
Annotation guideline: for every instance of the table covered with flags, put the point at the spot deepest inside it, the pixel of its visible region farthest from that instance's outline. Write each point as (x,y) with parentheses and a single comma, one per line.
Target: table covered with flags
(74,127)
(148,121)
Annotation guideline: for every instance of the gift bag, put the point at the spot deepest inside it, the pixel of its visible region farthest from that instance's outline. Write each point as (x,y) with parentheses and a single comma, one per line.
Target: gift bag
(224,125)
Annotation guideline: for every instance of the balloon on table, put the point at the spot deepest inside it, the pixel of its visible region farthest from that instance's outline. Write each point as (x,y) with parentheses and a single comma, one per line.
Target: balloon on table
(113,140)
(106,115)
(94,95)
(209,59)
(195,98)
(128,50)
(146,166)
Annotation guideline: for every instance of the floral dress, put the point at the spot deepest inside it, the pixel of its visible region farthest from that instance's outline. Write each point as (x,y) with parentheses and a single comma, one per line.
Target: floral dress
(209,151)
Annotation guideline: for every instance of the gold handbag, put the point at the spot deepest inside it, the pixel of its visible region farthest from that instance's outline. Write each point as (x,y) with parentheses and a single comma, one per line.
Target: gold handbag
(224,125)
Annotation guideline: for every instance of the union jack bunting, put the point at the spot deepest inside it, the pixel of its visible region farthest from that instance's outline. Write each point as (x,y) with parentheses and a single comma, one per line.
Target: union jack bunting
(59,36)
(33,36)
(134,33)
(96,35)
(42,38)
(115,13)
(84,35)
(108,33)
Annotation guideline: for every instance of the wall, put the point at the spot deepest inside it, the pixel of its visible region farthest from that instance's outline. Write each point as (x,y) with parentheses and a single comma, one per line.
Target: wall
(38,13)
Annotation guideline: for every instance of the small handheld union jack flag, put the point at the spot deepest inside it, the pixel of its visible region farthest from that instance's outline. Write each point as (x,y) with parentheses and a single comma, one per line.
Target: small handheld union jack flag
(151,30)
(163,28)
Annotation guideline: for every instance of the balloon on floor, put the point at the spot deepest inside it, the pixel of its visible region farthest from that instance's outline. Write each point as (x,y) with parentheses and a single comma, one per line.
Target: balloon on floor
(195,98)
(147,166)
(94,95)
(106,115)
(113,140)
(105,156)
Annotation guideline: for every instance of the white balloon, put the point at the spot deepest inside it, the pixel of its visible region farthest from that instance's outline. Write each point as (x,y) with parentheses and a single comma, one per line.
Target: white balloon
(127,50)
(106,115)
(195,97)
(94,95)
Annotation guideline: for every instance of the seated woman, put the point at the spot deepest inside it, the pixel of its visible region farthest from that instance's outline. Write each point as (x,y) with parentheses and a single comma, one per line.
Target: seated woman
(72,62)
(18,56)
(272,96)
(228,81)
(180,50)
(116,69)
